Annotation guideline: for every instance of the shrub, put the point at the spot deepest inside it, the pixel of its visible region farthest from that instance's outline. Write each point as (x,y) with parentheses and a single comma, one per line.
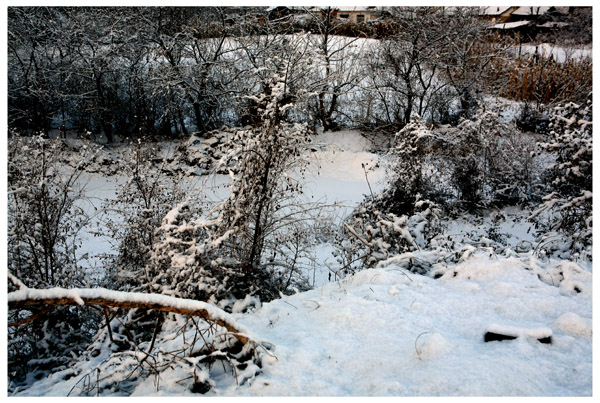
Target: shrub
(407,179)
(493,163)
(43,216)
(230,252)
(370,235)
(566,213)
(134,216)
(44,220)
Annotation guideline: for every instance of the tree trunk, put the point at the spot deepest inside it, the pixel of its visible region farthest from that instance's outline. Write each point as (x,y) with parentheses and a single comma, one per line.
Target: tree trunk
(198,114)
(104,112)
(256,250)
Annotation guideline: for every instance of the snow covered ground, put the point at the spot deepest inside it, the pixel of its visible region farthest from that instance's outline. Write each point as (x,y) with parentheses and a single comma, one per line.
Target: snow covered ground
(382,332)
(559,54)
(389,332)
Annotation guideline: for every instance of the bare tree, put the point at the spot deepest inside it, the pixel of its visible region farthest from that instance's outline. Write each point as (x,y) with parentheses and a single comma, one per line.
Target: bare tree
(404,68)
(465,55)
(335,69)
(31,65)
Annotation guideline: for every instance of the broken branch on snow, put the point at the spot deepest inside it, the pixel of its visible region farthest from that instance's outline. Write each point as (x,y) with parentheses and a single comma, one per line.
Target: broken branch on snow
(26,298)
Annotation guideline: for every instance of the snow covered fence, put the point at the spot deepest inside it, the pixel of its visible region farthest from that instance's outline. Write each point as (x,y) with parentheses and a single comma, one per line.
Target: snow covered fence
(28,297)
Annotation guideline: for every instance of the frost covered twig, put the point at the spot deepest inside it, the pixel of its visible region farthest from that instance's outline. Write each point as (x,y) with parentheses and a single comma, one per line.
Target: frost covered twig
(353,232)
(16,281)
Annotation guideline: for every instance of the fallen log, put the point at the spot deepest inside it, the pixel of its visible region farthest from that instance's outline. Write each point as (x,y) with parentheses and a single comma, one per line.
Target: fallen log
(29,297)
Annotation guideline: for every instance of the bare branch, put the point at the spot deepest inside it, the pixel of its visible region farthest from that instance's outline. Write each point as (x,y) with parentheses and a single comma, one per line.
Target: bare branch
(125,300)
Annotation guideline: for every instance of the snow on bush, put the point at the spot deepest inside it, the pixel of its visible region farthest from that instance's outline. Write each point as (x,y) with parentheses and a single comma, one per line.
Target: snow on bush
(142,201)
(371,236)
(493,162)
(43,217)
(566,213)
(44,223)
(482,163)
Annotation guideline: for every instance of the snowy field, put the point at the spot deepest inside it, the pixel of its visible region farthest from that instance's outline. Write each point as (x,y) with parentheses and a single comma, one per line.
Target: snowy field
(389,332)
(385,333)
(559,54)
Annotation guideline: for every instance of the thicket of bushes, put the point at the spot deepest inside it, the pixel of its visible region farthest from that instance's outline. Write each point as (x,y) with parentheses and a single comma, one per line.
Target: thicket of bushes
(477,165)
(146,79)
(148,72)
(542,80)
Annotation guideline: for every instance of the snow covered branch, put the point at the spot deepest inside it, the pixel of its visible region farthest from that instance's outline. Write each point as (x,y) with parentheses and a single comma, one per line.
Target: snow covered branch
(23,299)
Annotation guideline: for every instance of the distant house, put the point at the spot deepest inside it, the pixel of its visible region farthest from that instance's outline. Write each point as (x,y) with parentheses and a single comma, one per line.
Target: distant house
(281,12)
(524,28)
(358,14)
(526,21)
(528,13)
(497,14)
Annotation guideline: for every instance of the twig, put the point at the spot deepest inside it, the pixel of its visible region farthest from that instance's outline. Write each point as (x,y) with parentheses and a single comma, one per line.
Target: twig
(289,304)
(110,335)
(367,178)
(30,318)
(156,329)
(353,232)
(318,305)
(416,348)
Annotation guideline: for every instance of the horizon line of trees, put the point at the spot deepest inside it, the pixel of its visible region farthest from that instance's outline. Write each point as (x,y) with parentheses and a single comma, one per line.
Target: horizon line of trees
(169,71)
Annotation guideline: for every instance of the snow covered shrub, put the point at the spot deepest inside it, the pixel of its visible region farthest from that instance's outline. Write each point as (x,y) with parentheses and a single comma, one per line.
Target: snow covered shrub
(407,178)
(403,217)
(493,162)
(371,235)
(473,146)
(187,261)
(43,225)
(482,162)
(179,264)
(234,251)
(261,204)
(43,217)
(142,202)
(569,205)
(260,162)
